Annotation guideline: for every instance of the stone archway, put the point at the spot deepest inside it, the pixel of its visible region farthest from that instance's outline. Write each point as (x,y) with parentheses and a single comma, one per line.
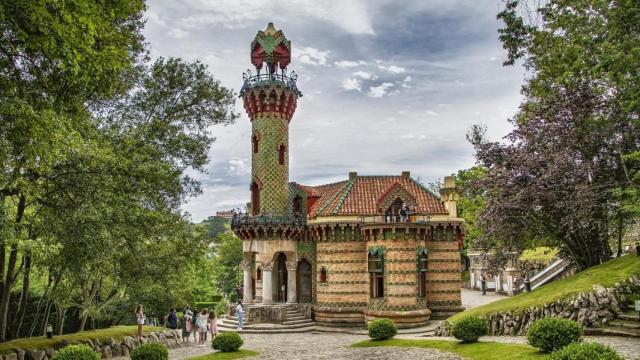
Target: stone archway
(280,277)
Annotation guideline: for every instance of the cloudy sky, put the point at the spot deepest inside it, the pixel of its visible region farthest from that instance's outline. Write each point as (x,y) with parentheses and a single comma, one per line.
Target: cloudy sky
(388,85)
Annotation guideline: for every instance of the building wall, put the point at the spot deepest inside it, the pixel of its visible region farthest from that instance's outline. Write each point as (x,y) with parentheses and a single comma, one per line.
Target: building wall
(272,177)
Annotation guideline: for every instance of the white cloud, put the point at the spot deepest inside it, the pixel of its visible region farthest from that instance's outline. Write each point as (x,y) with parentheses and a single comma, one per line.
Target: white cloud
(351,84)
(379,91)
(349,64)
(413,136)
(364,75)
(238,167)
(407,79)
(431,113)
(311,56)
(177,33)
(392,69)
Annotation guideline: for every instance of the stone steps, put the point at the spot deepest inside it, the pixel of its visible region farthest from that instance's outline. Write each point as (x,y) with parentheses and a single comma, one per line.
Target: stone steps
(628,324)
(298,322)
(613,331)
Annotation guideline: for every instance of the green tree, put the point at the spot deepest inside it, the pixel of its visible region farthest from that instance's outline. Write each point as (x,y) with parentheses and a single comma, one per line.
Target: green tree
(228,256)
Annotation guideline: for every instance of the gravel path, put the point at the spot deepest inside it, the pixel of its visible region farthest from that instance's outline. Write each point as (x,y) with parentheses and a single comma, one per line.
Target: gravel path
(473,298)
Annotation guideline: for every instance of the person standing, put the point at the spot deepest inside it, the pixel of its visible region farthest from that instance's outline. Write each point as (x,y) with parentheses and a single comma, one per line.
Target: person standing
(139,320)
(172,319)
(187,324)
(194,327)
(483,284)
(213,326)
(201,325)
(527,283)
(240,315)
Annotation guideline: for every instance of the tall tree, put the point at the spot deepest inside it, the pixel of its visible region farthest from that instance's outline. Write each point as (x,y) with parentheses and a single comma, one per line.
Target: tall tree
(577,131)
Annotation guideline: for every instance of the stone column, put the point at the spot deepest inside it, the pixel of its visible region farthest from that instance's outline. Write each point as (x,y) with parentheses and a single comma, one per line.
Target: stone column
(267,286)
(247,296)
(292,294)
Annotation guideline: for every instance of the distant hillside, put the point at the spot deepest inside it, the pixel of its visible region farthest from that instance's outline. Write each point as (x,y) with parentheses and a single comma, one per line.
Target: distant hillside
(215,225)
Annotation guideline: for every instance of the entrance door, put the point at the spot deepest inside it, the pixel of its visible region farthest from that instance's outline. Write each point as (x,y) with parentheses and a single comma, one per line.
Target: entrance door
(281,273)
(303,281)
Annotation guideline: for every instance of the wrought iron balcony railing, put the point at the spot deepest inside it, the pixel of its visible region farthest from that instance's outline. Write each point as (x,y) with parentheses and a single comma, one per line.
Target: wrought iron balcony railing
(411,219)
(282,79)
(266,219)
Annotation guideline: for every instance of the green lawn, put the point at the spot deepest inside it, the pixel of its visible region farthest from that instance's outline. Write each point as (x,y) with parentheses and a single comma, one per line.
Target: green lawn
(41,342)
(607,274)
(227,355)
(474,351)
(542,254)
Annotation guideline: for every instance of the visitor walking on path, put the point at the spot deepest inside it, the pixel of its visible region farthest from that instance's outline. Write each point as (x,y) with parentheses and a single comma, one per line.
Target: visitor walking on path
(187,324)
(201,325)
(140,321)
(194,326)
(240,314)
(483,284)
(172,319)
(213,327)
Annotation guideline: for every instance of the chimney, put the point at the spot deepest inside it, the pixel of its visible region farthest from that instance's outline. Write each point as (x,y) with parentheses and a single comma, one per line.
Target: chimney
(450,196)
(406,174)
(352,175)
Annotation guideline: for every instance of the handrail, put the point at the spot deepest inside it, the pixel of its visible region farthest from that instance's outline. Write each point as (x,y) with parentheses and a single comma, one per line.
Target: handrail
(266,219)
(250,80)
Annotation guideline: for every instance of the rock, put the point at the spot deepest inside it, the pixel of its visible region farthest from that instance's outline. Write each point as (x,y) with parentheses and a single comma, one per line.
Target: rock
(61,344)
(49,352)
(128,342)
(20,354)
(124,350)
(106,352)
(11,356)
(35,355)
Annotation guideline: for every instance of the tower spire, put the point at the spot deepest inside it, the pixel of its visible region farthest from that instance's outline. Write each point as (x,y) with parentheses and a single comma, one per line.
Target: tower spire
(270,100)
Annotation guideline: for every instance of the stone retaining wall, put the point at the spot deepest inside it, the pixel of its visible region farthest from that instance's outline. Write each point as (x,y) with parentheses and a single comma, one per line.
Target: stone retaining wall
(591,309)
(108,348)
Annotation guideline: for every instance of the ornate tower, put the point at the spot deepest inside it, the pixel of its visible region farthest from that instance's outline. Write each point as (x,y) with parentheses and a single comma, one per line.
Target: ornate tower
(270,99)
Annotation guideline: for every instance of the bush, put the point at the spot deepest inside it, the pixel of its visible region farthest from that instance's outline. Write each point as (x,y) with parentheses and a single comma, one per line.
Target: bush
(150,352)
(470,329)
(76,352)
(221,308)
(227,342)
(552,333)
(233,298)
(585,351)
(381,329)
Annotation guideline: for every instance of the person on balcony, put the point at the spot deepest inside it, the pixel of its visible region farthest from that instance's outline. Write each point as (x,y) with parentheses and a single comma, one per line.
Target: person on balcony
(404,213)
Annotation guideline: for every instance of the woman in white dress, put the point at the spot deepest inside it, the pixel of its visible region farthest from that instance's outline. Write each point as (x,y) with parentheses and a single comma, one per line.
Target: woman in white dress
(139,320)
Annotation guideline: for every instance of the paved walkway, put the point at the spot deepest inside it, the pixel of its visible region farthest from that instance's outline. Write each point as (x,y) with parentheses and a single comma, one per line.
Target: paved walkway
(317,346)
(473,298)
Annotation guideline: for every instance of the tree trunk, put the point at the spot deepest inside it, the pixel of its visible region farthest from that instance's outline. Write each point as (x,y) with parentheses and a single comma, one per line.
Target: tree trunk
(620,223)
(60,313)
(45,320)
(5,297)
(24,296)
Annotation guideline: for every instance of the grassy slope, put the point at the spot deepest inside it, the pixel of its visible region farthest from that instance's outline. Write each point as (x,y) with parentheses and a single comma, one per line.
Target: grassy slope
(227,355)
(542,253)
(474,351)
(607,274)
(41,342)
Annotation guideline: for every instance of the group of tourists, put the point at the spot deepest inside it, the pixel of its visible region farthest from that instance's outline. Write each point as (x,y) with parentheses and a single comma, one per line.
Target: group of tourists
(402,214)
(201,324)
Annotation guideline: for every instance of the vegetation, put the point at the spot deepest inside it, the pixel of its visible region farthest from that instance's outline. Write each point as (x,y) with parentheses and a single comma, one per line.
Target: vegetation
(227,342)
(381,329)
(470,329)
(585,351)
(42,342)
(227,355)
(543,254)
(607,274)
(76,352)
(551,334)
(568,175)
(96,144)
(471,351)
(150,352)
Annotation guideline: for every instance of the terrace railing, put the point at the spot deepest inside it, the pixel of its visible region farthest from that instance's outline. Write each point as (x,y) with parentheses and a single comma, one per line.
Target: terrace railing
(267,219)
(282,79)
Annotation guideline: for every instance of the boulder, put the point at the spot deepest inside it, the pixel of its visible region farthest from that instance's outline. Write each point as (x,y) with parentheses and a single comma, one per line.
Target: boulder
(124,350)
(106,352)
(21,354)
(11,356)
(49,352)
(35,354)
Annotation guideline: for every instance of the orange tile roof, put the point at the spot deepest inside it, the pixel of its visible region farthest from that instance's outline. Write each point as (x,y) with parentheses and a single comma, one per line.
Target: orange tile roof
(362,194)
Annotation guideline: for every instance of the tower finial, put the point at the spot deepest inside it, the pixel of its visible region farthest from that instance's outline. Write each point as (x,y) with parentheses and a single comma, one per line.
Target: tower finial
(270,46)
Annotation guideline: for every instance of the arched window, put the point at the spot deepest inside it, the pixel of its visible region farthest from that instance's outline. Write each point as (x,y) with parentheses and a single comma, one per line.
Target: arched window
(281,152)
(323,276)
(254,142)
(297,205)
(259,275)
(255,198)
(376,272)
(422,267)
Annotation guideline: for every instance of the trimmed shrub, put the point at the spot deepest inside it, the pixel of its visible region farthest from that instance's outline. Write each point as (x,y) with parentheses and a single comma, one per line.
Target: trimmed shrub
(552,333)
(76,352)
(150,352)
(470,329)
(381,329)
(222,308)
(585,351)
(227,342)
